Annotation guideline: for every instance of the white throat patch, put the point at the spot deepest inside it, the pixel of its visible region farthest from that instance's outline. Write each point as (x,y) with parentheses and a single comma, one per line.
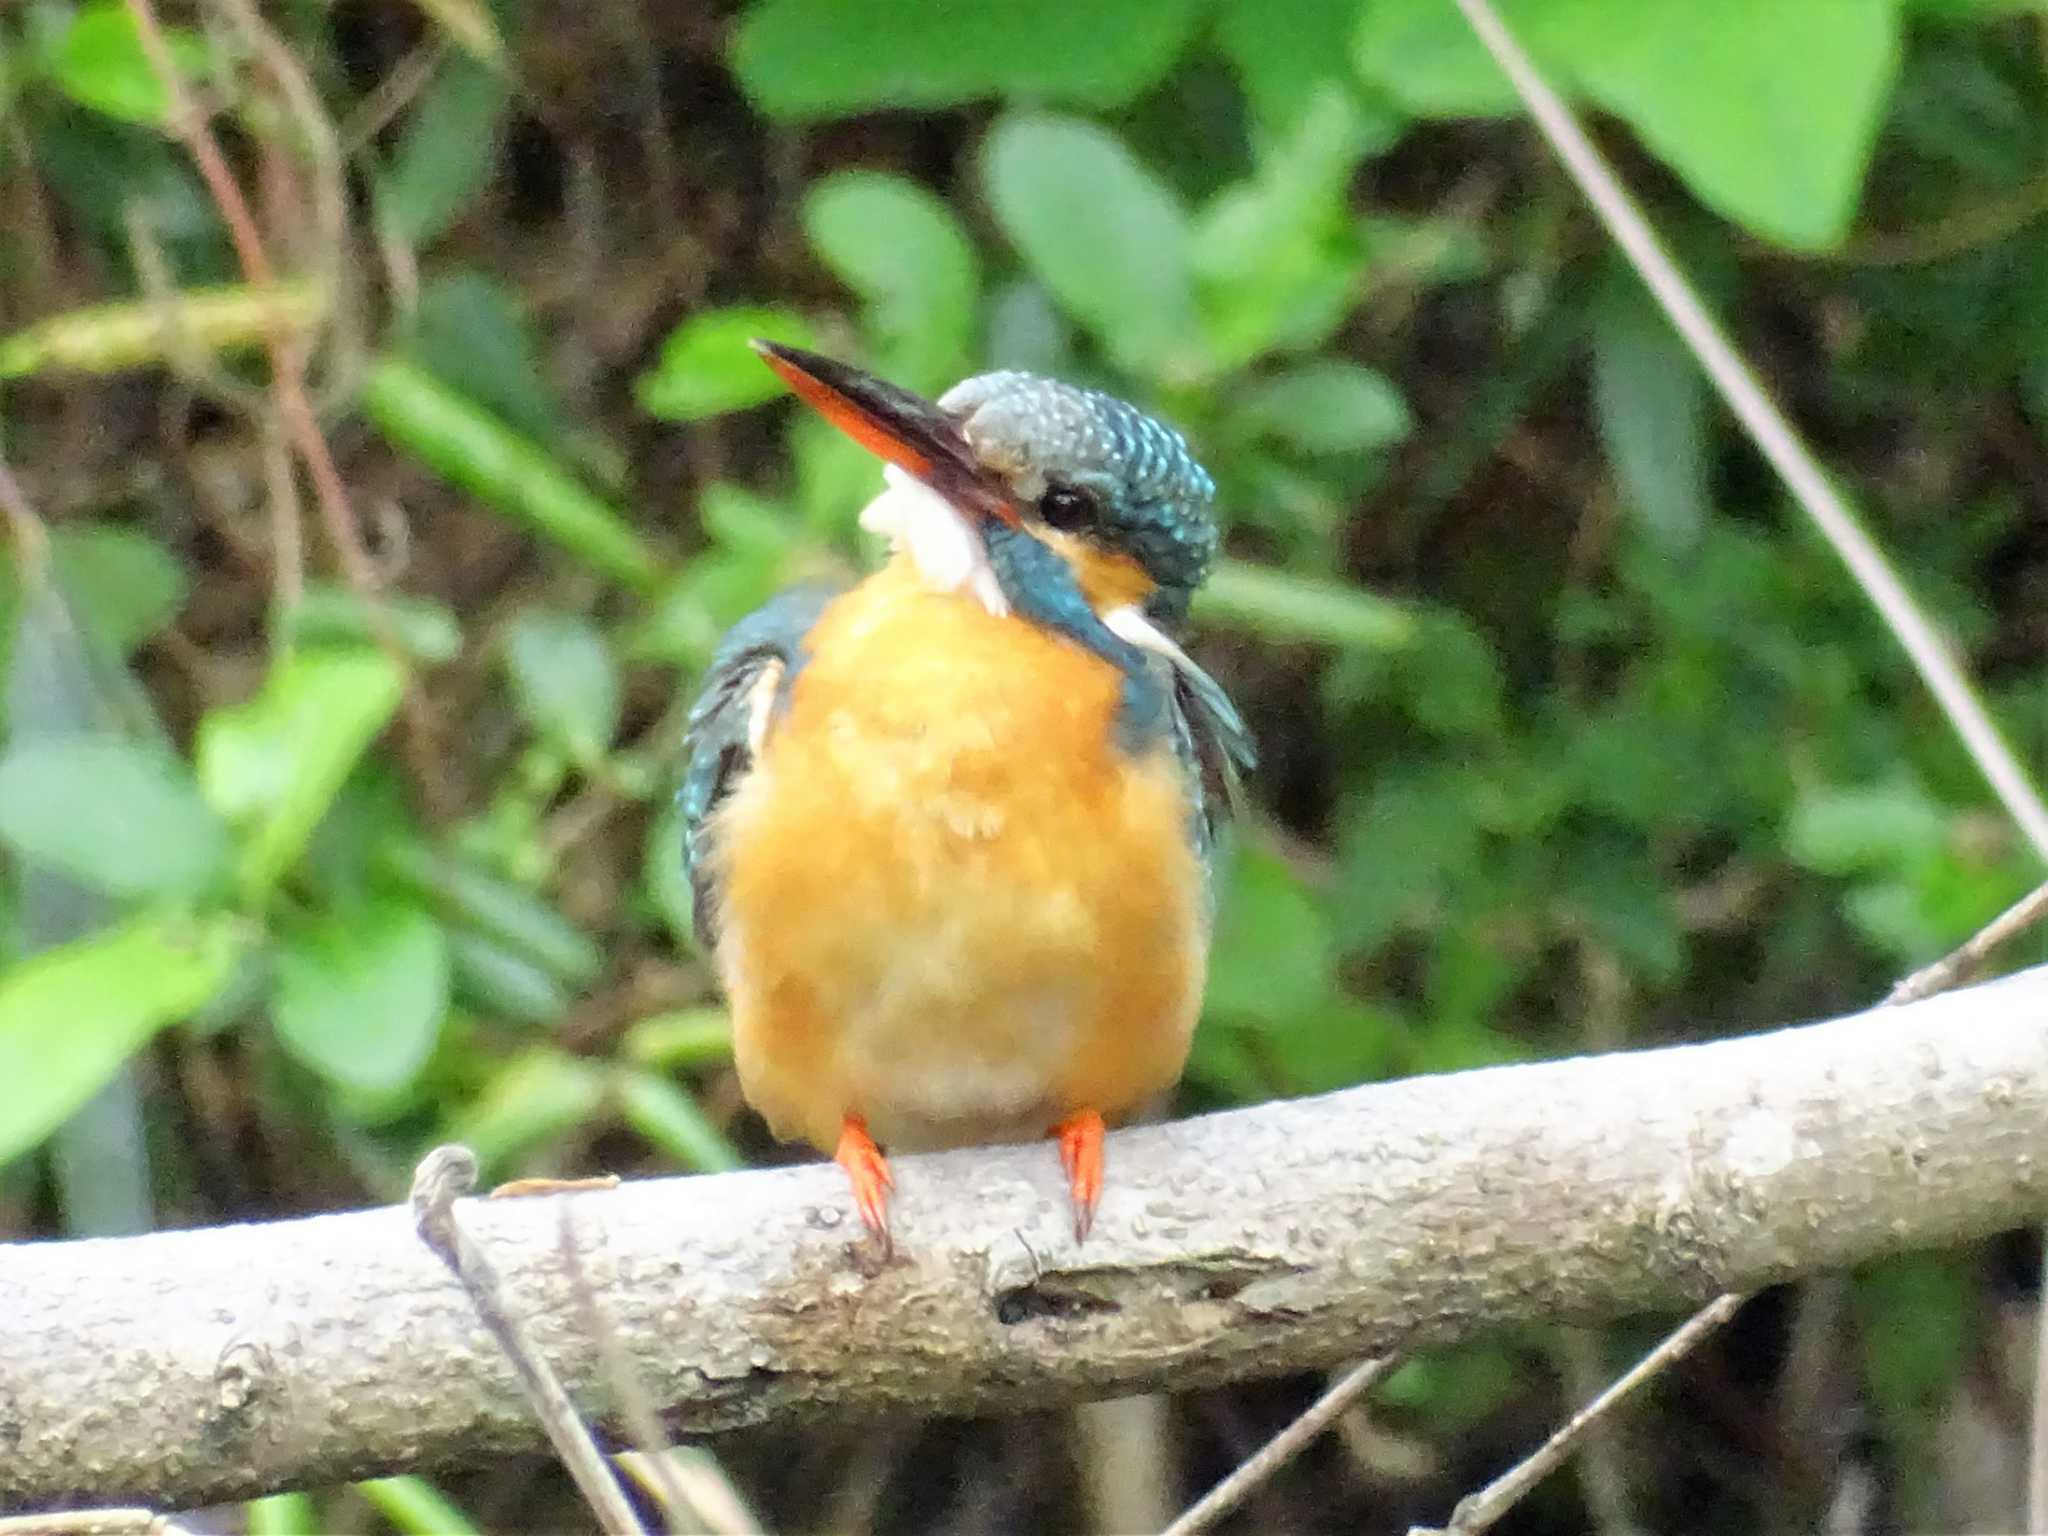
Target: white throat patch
(940,541)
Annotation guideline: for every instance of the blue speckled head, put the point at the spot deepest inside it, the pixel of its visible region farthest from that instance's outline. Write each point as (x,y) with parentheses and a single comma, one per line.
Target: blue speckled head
(1093,465)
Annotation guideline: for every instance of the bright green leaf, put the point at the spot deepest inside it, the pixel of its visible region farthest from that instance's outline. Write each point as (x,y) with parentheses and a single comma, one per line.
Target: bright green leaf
(706,366)
(69,1017)
(122,816)
(900,249)
(123,583)
(512,473)
(1274,955)
(1851,829)
(1279,256)
(1324,406)
(99,63)
(565,681)
(819,58)
(668,1117)
(1281,68)
(508,913)
(359,997)
(412,1505)
(1283,606)
(272,765)
(1104,234)
(1767,108)
(1424,56)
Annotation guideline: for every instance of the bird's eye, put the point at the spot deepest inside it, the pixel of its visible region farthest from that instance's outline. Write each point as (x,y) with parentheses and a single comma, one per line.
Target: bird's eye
(1067,509)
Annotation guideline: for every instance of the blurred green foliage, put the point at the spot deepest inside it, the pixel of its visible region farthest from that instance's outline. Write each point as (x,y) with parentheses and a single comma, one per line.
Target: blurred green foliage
(1572,739)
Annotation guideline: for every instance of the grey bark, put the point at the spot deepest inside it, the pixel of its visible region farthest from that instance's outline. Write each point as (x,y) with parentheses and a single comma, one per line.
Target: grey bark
(182,1368)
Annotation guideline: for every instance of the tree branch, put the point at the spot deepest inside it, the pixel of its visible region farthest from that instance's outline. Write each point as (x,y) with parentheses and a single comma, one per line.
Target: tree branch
(186,1368)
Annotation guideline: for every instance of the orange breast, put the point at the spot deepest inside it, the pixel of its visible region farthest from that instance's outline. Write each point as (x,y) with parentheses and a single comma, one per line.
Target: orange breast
(950,903)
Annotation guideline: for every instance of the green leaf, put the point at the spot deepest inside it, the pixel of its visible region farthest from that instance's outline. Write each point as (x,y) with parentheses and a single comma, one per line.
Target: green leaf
(1274,954)
(820,58)
(123,583)
(1104,234)
(1423,55)
(358,997)
(1324,406)
(329,615)
(412,1505)
(1281,68)
(510,914)
(99,62)
(706,366)
(119,815)
(1279,256)
(1767,108)
(1282,606)
(1869,827)
(497,981)
(469,332)
(901,250)
(667,1116)
(69,1017)
(273,765)
(564,681)
(448,151)
(531,1099)
(1650,400)
(511,472)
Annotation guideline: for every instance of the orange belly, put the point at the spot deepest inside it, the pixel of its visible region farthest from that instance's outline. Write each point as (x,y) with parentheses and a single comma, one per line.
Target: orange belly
(950,904)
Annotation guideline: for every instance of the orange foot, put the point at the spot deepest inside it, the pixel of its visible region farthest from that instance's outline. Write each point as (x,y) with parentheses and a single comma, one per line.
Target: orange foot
(868,1171)
(1080,1137)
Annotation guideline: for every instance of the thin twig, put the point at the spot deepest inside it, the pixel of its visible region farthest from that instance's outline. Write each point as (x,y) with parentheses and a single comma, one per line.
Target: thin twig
(444,1175)
(1282,1448)
(1767,427)
(288,382)
(1951,968)
(1478,1511)
(31,539)
(709,1498)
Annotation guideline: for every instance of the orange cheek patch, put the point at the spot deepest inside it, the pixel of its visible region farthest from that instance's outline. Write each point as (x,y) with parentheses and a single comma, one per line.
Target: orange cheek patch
(1106,579)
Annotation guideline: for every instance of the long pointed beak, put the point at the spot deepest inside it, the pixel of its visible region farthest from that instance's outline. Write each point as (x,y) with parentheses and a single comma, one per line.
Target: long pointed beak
(905,429)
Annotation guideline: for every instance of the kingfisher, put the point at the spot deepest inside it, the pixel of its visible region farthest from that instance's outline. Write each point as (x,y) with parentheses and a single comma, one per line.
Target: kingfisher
(950,832)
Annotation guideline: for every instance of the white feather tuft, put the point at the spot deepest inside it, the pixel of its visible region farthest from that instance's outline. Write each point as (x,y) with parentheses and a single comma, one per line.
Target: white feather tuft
(945,547)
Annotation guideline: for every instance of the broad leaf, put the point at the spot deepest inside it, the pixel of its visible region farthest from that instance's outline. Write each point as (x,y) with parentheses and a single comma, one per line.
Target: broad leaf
(359,997)
(272,765)
(1767,108)
(707,367)
(1650,399)
(565,681)
(116,814)
(1325,406)
(900,249)
(69,1017)
(819,58)
(1103,233)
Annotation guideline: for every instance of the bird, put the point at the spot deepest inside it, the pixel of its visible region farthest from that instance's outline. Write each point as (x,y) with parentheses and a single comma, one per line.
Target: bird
(951,831)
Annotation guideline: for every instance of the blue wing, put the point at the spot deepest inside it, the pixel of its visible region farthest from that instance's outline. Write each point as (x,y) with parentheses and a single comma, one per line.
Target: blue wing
(765,650)
(1214,747)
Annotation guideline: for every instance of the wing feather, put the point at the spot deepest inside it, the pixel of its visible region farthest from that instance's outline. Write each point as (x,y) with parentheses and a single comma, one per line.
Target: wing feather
(744,688)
